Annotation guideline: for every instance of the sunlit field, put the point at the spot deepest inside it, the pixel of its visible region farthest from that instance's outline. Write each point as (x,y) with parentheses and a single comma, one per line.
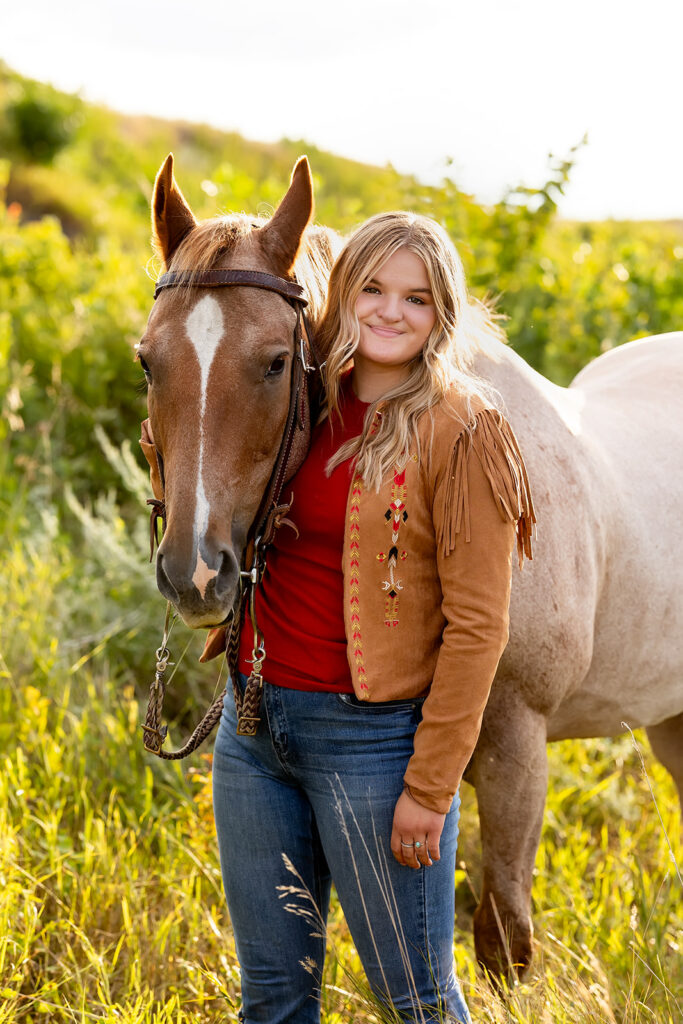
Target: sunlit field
(111,906)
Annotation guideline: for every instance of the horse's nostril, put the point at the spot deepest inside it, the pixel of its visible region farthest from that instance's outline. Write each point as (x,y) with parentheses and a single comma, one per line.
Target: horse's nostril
(228,573)
(163,582)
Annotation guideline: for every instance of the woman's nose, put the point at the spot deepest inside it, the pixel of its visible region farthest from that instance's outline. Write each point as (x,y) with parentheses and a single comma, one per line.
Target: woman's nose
(390,308)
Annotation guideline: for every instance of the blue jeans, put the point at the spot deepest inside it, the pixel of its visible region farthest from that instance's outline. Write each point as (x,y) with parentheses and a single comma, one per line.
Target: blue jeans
(310,800)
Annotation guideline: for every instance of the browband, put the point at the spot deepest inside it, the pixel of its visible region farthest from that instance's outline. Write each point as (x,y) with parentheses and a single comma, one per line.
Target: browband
(219,278)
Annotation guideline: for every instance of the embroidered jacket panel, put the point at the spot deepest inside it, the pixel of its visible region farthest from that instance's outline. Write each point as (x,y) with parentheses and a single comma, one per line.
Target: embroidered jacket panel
(427,573)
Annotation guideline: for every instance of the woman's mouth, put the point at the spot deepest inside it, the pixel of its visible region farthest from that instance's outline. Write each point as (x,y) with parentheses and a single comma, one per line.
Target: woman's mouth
(384,332)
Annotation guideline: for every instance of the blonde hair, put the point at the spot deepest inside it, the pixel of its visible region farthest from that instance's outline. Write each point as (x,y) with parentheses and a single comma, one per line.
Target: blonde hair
(462,328)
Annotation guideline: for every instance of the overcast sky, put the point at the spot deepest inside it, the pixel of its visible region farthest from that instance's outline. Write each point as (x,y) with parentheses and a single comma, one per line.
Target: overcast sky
(494,85)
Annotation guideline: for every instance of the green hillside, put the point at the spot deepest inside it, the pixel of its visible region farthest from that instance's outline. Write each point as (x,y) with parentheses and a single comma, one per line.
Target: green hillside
(75,258)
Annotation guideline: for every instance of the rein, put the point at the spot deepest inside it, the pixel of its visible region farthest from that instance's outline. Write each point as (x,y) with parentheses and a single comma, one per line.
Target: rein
(269,518)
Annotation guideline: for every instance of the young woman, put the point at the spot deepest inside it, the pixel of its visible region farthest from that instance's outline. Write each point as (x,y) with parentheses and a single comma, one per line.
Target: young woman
(385,616)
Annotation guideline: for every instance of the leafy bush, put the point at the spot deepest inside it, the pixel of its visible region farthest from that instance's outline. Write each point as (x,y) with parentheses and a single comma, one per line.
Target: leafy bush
(68,323)
(39,123)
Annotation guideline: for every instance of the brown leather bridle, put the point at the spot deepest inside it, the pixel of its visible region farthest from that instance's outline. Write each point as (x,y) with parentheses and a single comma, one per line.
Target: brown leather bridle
(269,517)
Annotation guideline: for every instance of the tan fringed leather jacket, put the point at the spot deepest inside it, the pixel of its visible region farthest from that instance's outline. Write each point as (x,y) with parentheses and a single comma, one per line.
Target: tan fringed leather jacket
(427,571)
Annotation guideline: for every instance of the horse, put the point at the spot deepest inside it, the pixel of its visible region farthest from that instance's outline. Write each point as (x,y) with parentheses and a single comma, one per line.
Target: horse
(583,656)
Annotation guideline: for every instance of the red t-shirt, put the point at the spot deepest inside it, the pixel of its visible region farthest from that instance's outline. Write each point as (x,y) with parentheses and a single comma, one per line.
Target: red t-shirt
(300,602)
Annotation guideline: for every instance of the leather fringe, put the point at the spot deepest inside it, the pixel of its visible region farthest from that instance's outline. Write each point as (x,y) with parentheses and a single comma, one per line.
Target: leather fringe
(494,442)
(216,643)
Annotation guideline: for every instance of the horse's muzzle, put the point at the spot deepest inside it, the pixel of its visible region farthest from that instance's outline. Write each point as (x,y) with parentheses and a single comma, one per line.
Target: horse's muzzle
(206,596)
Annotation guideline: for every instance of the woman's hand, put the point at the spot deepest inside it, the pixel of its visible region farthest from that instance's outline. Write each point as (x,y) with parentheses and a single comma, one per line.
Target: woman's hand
(413,825)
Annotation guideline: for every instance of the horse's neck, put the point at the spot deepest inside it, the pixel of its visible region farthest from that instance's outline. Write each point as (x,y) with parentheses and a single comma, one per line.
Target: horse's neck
(519,385)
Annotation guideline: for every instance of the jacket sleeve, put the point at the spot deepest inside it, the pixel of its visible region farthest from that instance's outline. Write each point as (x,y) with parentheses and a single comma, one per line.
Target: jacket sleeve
(481,502)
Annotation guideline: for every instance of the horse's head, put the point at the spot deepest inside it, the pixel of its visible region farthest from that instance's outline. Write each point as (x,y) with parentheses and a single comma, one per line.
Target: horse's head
(218,365)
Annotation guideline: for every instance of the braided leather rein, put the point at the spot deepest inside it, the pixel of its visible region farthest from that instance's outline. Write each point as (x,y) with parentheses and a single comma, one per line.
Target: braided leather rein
(269,518)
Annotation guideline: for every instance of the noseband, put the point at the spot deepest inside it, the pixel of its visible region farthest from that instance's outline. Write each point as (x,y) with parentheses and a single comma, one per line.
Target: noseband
(269,517)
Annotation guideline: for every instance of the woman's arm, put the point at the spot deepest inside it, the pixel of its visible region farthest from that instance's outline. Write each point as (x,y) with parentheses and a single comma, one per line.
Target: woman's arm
(481,502)
(477,514)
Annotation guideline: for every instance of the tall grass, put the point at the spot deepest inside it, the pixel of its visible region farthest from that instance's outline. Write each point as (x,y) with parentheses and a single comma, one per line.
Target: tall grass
(111,906)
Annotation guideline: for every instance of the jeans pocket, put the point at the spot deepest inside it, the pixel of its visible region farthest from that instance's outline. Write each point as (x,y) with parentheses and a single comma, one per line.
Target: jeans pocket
(379,707)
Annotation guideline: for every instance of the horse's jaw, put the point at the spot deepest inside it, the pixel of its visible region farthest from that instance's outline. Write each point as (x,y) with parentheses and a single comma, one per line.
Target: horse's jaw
(208,617)
(208,620)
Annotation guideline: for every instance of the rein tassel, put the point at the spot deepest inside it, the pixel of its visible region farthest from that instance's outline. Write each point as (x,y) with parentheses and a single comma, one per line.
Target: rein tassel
(157,512)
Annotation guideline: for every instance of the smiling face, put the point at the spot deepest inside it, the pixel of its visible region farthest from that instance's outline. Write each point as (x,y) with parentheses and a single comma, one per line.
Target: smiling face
(396,314)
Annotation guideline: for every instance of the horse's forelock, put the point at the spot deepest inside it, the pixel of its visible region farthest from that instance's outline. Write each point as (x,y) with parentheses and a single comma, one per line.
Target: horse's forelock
(203,247)
(207,244)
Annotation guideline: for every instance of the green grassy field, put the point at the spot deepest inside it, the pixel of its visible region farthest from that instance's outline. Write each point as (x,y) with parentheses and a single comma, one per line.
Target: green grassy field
(111,906)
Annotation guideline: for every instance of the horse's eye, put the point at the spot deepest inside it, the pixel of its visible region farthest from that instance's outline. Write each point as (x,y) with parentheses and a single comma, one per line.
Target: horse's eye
(276,367)
(145,367)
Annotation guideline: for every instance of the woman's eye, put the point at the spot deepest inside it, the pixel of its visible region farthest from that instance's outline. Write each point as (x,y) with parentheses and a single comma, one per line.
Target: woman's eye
(276,367)
(371,290)
(416,300)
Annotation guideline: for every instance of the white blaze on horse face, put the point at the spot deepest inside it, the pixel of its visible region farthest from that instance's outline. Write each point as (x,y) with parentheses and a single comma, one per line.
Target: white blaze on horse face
(205,329)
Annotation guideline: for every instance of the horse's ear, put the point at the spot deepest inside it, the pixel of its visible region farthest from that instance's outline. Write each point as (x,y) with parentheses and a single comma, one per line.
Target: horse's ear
(281,237)
(172,218)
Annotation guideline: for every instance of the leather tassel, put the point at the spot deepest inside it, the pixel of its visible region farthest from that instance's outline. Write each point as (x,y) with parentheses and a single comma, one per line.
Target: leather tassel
(158,512)
(494,442)
(216,643)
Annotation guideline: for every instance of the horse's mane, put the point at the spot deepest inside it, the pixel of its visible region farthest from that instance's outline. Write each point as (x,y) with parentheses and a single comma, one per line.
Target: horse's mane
(203,248)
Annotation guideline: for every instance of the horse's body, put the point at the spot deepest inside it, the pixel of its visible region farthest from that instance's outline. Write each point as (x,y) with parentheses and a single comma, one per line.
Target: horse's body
(617,440)
(596,630)
(596,618)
